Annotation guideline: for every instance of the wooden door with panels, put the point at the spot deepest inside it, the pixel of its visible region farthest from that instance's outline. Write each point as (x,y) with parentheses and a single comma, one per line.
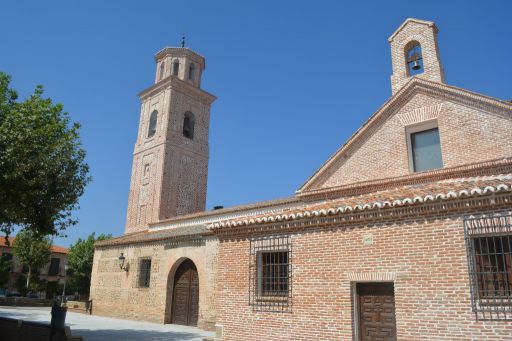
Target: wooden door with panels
(376,310)
(185,298)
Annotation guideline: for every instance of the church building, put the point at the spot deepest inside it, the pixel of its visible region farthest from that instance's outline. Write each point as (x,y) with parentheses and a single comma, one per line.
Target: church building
(405,233)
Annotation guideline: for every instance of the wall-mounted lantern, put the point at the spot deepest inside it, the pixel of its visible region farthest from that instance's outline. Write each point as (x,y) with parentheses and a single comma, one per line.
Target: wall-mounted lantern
(122,259)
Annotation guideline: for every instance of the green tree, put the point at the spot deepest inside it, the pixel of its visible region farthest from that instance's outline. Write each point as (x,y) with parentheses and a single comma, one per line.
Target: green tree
(53,289)
(21,284)
(80,258)
(42,164)
(33,251)
(5,271)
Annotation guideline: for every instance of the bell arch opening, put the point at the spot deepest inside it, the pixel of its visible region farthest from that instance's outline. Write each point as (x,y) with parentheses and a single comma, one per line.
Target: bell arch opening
(414,58)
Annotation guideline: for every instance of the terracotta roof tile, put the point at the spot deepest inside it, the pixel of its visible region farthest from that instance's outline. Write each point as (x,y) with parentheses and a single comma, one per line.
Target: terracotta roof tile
(227,210)
(151,236)
(394,197)
(399,196)
(55,248)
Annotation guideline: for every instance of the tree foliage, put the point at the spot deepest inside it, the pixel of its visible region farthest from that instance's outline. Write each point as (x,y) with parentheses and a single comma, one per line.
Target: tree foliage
(53,289)
(42,164)
(21,284)
(5,271)
(80,259)
(33,251)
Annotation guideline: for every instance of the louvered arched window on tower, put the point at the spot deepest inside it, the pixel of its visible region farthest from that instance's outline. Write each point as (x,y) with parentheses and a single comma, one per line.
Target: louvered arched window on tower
(152,123)
(188,125)
(175,68)
(162,70)
(192,72)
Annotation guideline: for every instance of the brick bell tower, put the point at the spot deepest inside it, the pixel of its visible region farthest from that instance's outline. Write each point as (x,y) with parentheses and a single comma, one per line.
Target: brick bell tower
(170,160)
(415,53)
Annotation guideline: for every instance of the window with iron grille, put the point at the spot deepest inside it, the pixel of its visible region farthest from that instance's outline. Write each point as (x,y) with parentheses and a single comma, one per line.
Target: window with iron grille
(273,273)
(489,245)
(144,272)
(270,273)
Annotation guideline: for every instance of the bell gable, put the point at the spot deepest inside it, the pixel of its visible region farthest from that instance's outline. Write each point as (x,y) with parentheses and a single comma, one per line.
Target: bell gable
(463,127)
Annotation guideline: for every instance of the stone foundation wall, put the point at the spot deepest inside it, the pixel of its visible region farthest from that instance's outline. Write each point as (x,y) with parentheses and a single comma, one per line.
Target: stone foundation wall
(25,302)
(115,292)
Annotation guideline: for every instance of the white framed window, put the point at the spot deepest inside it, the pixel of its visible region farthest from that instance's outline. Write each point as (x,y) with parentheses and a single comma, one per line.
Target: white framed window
(424,147)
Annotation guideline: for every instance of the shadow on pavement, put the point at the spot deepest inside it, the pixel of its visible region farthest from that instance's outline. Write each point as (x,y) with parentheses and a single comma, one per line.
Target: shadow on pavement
(135,335)
(24,316)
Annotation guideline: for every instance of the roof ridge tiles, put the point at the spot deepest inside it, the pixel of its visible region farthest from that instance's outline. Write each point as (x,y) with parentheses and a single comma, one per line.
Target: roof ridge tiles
(337,206)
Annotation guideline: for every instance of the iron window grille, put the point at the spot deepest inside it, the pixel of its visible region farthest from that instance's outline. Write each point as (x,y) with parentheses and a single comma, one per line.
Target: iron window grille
(144,272)
(489,247)
(270,273)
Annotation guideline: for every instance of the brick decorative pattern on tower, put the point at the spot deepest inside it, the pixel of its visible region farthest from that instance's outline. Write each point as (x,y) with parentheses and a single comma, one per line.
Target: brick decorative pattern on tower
(169,171)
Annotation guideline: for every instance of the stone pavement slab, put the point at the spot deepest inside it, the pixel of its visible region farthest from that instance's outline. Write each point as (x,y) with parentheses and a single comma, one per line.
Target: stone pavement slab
(96,328)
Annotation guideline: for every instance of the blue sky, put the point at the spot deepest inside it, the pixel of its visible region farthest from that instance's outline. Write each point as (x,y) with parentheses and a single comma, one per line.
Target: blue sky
(294,79)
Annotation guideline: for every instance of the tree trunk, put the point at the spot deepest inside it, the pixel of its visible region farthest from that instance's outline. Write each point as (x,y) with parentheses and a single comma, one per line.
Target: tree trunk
(28,276)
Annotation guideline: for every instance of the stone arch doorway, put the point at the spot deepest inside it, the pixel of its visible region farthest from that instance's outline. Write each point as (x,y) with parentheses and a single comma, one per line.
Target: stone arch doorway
(185,295)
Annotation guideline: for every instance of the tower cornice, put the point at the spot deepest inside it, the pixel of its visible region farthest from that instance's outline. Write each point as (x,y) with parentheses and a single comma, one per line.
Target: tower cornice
(178,84)
(180,52)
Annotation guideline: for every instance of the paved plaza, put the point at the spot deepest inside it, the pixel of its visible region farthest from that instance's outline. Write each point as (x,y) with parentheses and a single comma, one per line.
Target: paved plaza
(96,328)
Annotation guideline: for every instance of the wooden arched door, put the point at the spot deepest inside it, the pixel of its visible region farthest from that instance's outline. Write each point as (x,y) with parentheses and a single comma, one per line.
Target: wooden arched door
(185,295)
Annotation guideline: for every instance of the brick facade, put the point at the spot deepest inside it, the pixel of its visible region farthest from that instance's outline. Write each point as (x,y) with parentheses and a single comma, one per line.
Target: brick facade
(364,217)
(424,257)
(460,126)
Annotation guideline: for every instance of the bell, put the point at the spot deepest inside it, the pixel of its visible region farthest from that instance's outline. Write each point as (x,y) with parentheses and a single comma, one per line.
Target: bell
(416,65)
